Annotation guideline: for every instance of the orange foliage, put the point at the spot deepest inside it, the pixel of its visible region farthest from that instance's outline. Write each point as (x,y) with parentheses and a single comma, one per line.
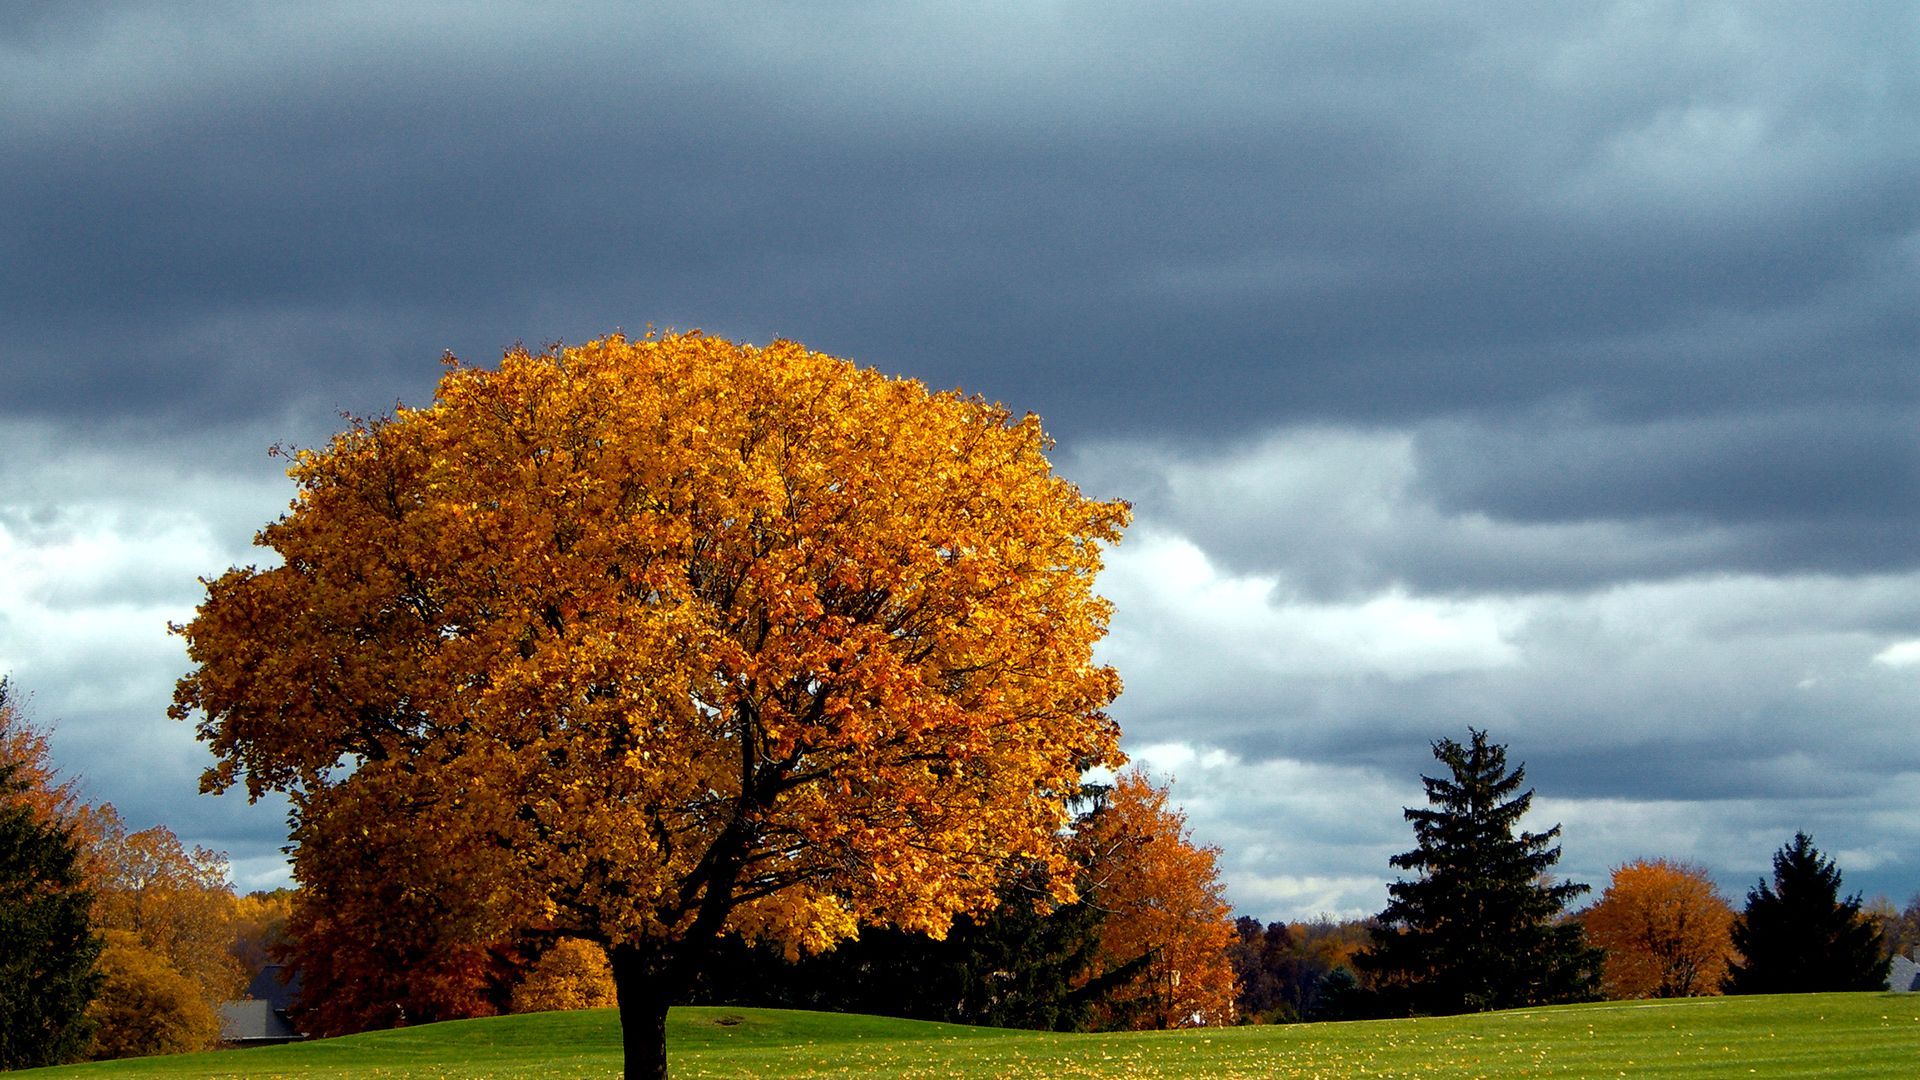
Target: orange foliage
(383,932)
(52,800)
(25,747)
(260,929)
(1666,931)
(1331,944)
(572,975)
(175,902)
(145,1006)
(1164,901)
(656,638)
(166,913)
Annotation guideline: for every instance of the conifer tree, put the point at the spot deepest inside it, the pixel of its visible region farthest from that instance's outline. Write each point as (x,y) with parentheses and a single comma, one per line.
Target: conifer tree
(47,949)
(1479,927)
(1799,937)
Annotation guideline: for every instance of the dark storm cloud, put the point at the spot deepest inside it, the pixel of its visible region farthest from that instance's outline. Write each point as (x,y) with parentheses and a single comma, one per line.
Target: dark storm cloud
(1548,368)
(1540,499)
(1746,467)
(1123,219)
(1826,489)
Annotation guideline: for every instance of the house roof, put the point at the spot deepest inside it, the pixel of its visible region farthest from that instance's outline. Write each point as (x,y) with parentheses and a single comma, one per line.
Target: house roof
(254,1021)
(277,984)
(1903,974)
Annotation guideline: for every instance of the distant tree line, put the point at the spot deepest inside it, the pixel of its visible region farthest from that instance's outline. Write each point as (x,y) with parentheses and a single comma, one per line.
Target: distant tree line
(1302,971)
(1482,924)
(122,943)
(113,942)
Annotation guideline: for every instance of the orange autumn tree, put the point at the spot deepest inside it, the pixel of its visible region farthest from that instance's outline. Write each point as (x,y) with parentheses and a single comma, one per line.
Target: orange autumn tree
(573,974)
(161,906)
(659,638)
(175,900)
(51,799)
(145,1005)
(388,929)
(260,929)
(1165,909)
(1666,930)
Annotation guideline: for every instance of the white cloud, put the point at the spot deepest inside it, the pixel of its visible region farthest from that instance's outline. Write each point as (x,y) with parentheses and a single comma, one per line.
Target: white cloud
(1700,717)
(1176,606)
(1297,839)
(1899,655)
(1300,898)
(98,555)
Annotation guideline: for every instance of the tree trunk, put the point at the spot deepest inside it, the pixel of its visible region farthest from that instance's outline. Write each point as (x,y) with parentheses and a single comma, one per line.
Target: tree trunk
(641,980)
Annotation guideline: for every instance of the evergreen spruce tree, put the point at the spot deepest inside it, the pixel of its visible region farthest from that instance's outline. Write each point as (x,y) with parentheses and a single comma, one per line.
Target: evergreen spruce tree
(1799,937)
(47,948)
(1480,925)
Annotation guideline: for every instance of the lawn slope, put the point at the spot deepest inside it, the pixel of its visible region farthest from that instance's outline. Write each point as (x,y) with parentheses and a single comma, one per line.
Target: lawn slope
(1836,1035)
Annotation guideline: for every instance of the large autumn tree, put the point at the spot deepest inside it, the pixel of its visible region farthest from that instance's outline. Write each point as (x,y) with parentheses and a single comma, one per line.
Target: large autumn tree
(654,638)
(1666,931)
(1479,926)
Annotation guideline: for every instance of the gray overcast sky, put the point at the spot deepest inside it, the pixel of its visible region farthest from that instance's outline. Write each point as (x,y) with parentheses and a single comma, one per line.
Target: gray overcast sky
(1544,368)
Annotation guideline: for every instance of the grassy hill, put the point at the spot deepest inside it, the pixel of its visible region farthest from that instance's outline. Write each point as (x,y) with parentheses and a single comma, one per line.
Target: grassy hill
(1838,1035)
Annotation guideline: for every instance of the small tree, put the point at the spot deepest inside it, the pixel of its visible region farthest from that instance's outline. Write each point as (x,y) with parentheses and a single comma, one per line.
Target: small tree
(1798,937)
(1665,930)
(176,902)
(1165,913)
(146,1006)
(47,947)
(1902,930)
(573,974)
(260,930)
(1480,927)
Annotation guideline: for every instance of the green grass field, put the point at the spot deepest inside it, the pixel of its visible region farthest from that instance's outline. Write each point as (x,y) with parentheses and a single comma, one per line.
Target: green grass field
(1838,1035)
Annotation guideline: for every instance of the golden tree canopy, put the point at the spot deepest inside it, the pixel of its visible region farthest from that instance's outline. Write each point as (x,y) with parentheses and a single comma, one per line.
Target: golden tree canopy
(1666,930)
(574,974)
(146,1006)
(1164,902)
(175,902)
(654,636)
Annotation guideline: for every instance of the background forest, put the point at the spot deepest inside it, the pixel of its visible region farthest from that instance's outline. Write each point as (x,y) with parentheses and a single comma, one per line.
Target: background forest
(1149,944)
